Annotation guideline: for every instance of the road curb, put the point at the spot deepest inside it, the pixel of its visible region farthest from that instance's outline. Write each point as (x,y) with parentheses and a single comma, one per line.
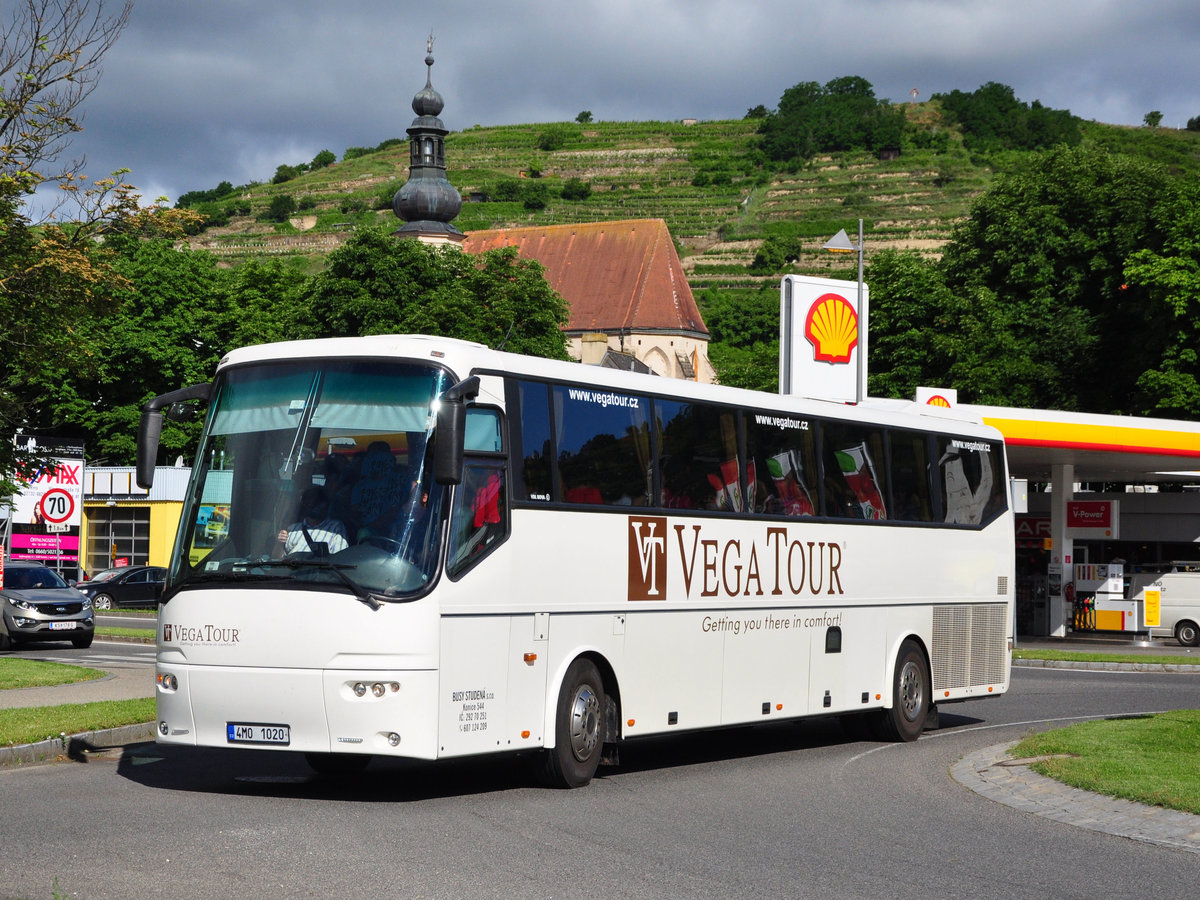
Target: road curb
(991,773)
(75,747)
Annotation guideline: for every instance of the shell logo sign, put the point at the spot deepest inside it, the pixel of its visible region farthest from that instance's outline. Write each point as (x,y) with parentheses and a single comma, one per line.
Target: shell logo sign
(938,400)
(823,338)
(832,328)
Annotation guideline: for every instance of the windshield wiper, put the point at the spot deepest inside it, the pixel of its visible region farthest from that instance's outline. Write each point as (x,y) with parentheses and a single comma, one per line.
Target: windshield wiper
(336,568)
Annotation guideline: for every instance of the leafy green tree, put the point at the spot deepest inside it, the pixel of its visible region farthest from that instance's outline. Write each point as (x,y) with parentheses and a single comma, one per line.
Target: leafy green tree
(321,160)
(284,172)
(1152,119)
(775,254)
(1035,275)
(535,195)
(909,323)
(585,117)
(553,138)
(1193,124)
(756,112)
(161,335)
(281,207)
(52,278)
(1169,278)
(377,284)
(992,118)
(841,115)
(576,189)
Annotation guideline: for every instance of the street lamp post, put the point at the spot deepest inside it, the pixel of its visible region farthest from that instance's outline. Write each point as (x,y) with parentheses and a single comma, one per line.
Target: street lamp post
(841,243)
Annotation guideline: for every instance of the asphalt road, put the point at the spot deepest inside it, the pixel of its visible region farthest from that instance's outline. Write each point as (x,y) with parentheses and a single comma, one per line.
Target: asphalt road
(769,811)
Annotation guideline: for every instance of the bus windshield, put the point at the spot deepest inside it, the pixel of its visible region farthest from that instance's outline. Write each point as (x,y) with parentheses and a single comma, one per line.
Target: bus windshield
(315,474)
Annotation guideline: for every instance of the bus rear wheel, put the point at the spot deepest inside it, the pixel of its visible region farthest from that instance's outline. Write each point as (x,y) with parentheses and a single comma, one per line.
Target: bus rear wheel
(911,696)
(578,729)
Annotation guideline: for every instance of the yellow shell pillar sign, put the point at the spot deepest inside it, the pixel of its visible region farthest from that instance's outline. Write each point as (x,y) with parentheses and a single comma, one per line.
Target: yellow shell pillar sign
(823,339)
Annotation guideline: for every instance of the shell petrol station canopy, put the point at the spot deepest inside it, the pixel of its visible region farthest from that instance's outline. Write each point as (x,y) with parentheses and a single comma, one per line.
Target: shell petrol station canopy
(1099,447)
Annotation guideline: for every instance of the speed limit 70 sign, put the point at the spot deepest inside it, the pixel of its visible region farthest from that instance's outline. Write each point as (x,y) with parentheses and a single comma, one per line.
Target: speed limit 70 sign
(57,506)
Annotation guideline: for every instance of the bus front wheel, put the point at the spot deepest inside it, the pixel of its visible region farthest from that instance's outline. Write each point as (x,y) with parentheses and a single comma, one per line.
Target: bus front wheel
(578,729)
(911,696)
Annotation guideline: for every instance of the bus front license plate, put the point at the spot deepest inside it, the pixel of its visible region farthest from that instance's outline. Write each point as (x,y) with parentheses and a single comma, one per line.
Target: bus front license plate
(257,733)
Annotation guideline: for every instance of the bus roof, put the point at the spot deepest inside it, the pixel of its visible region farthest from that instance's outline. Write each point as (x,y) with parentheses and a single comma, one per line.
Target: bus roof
(464,358)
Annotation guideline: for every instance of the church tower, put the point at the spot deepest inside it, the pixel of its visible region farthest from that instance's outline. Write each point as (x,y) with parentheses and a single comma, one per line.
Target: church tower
(428,202)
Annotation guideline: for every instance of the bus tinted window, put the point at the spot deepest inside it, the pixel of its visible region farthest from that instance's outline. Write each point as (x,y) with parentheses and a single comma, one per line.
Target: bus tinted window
(603,441)
(783,464)
(698,456)
(972,477)
(853,460)
(911,499)
(533,473)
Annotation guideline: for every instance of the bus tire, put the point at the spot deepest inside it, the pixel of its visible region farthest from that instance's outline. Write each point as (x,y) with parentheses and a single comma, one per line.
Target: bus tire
(578,727)
(337,765)
(911,696)
(1187,633)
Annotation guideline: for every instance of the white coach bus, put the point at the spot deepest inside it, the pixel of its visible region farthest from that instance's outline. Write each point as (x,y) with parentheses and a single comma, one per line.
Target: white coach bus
(430,549)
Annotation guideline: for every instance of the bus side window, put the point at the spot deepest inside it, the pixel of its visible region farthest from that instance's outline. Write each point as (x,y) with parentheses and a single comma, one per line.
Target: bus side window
(854,473)
(603,445)
(910,468)
(783,465)
(479,518)
(531,474)
(698,449)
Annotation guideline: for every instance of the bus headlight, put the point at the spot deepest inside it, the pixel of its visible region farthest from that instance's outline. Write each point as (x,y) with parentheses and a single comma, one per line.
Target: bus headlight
(360,689)
(167,682)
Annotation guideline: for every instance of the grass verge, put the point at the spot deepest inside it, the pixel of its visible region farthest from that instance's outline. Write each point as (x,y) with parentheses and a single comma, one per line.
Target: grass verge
(1088,656)
(39,723)
(23,673)
(146,634)
(1148,759)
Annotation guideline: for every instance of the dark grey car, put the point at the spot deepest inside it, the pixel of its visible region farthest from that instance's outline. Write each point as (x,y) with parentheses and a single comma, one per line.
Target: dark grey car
(126,586)
(37,605)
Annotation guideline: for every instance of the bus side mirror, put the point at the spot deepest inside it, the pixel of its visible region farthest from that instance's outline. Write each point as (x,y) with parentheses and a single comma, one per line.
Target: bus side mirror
(150,428)
(451,431)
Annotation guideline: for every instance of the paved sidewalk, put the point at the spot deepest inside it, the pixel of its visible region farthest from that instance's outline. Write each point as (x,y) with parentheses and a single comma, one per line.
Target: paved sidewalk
(993,774)
(123,682)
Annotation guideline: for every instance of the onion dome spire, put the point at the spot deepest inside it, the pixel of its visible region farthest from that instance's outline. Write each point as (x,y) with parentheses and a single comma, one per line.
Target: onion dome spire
(428,202)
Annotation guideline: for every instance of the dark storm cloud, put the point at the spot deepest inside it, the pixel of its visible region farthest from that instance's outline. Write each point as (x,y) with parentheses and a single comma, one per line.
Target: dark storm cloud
(197,93)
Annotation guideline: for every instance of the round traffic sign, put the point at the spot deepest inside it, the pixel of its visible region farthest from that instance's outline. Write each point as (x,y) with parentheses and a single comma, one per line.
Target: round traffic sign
(57,506)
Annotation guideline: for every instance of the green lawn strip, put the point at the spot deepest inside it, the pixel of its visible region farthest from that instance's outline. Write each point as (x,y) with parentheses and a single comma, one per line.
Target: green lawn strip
(1148,759)
(1085,656)
(39,723)
(24,673)
(147,634)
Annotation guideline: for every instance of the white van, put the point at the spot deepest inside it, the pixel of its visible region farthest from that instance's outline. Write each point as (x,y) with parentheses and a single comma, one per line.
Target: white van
(1179,589)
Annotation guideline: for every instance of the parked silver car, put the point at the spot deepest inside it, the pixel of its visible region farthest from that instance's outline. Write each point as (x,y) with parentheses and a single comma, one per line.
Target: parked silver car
(37,605)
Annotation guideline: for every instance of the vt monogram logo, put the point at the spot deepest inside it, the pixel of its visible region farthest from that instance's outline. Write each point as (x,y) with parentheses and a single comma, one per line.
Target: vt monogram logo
(647,558)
